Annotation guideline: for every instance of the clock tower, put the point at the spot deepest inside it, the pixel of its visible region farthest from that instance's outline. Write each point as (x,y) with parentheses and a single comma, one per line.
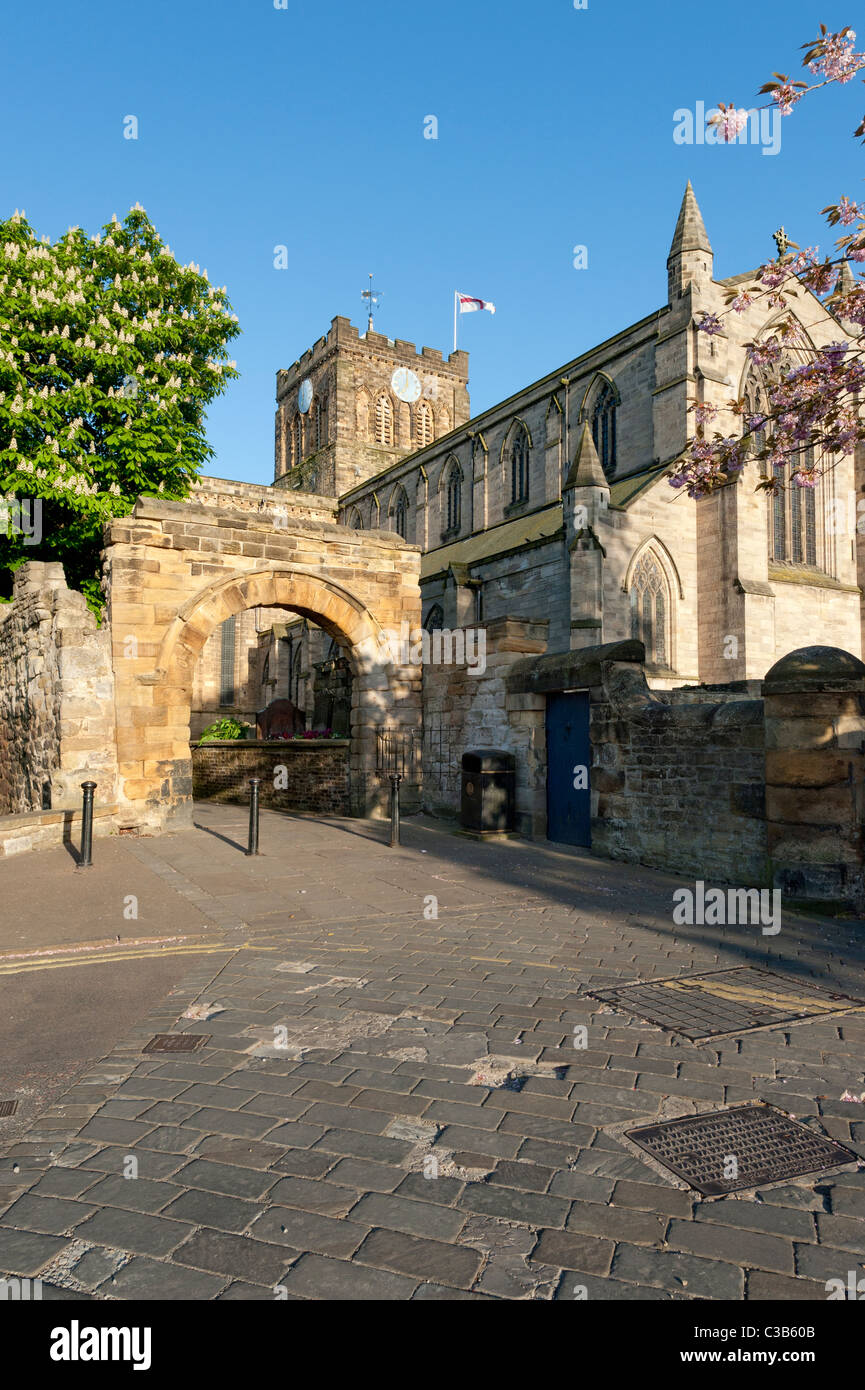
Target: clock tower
(356,403)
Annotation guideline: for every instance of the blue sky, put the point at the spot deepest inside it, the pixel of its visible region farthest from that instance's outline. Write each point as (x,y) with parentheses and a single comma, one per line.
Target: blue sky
(304,127)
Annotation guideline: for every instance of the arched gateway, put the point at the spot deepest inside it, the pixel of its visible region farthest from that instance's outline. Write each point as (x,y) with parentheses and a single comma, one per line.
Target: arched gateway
(176,570)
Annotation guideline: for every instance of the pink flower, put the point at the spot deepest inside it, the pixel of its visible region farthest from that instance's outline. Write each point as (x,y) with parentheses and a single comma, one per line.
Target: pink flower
(742,301)
(762,354)
(785,97)
(704,412)
(710,323)
(848,211)
(834,58)
(773,274)
(729,119)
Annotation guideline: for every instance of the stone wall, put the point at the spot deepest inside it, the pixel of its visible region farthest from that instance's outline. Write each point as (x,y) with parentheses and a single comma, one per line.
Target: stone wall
(463,711)
(56,696)
(679,783)
(815,775)
(677,778)
(306,775)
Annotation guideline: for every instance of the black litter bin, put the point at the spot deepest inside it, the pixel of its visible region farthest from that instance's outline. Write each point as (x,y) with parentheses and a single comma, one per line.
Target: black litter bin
(488,791)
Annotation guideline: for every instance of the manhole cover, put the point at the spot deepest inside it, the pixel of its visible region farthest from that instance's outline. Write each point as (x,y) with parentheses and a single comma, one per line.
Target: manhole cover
(176,1042)
(728,1150)
(725,1001)
(7,1107)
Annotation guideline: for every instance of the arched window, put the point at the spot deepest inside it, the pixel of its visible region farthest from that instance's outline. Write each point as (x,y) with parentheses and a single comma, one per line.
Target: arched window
(794,537)
(384,419)
(604,428)
(794,513)
(400,514)
(226,661)
(519,463)
(320,424)
(554,422)
(424,424)
(650,609)
(355,519)
(297,441)
(435,618)
(453,493)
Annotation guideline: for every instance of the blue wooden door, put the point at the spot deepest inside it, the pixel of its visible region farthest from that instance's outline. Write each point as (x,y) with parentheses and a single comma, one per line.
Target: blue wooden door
(569,816)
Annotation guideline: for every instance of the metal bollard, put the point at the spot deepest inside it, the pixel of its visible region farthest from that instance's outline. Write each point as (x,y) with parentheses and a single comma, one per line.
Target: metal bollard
(85,859)
(254,783)
(394,808)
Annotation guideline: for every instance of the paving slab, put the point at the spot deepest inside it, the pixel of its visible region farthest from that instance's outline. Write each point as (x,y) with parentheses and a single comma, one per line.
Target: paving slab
(363,1160)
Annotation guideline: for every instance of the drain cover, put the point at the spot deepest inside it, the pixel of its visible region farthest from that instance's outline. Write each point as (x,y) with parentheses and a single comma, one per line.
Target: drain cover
(176,1042)
(7,1107)
(728,1150)
(725,1001)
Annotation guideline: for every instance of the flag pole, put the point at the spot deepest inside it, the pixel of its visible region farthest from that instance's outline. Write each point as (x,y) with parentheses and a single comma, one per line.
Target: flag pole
(456,297)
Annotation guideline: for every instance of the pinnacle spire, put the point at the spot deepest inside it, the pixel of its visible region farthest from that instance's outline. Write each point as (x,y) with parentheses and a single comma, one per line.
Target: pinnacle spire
(586,470)
(690,233)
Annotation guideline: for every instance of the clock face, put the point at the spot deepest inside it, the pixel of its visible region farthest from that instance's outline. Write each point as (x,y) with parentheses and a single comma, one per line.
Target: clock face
(304,396)
(405,384)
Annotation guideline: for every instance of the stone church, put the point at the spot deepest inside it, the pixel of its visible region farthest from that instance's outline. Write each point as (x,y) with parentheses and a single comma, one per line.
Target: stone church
(553,506)
(670,681)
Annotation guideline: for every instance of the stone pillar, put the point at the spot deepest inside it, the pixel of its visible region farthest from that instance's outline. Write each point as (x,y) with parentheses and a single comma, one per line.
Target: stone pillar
(814,702)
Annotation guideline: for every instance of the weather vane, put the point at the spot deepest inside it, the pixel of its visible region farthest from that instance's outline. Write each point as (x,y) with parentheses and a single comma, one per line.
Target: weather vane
(372,297)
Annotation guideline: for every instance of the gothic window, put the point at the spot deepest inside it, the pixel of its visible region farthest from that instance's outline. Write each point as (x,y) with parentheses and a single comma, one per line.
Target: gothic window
(604,428)
(554,423)
(793,529)
(356,520)
(400,514)
(384,420)
(435,618)
(519,462)
(794,513)
(453,491)
(320,424)
(650,607)
(297,441)
(424,424)
(228,632)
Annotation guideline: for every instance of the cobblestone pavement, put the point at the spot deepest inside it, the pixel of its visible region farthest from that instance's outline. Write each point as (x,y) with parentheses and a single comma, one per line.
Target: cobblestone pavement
(349,1129)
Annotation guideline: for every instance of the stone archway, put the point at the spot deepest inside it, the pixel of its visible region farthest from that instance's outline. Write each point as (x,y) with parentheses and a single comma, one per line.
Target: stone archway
(175,571)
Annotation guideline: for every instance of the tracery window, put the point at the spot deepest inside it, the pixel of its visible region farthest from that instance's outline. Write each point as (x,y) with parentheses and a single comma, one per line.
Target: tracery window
(794,513)
(519,463)
(453,497)
(604,428)
(435,618)
(649,598)
(400,514)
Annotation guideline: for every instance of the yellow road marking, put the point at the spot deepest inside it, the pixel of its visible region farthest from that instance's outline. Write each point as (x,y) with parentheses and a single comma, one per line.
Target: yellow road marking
(109,958)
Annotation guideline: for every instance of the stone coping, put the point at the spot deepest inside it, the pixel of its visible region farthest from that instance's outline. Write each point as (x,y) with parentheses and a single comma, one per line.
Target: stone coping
(294,743)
